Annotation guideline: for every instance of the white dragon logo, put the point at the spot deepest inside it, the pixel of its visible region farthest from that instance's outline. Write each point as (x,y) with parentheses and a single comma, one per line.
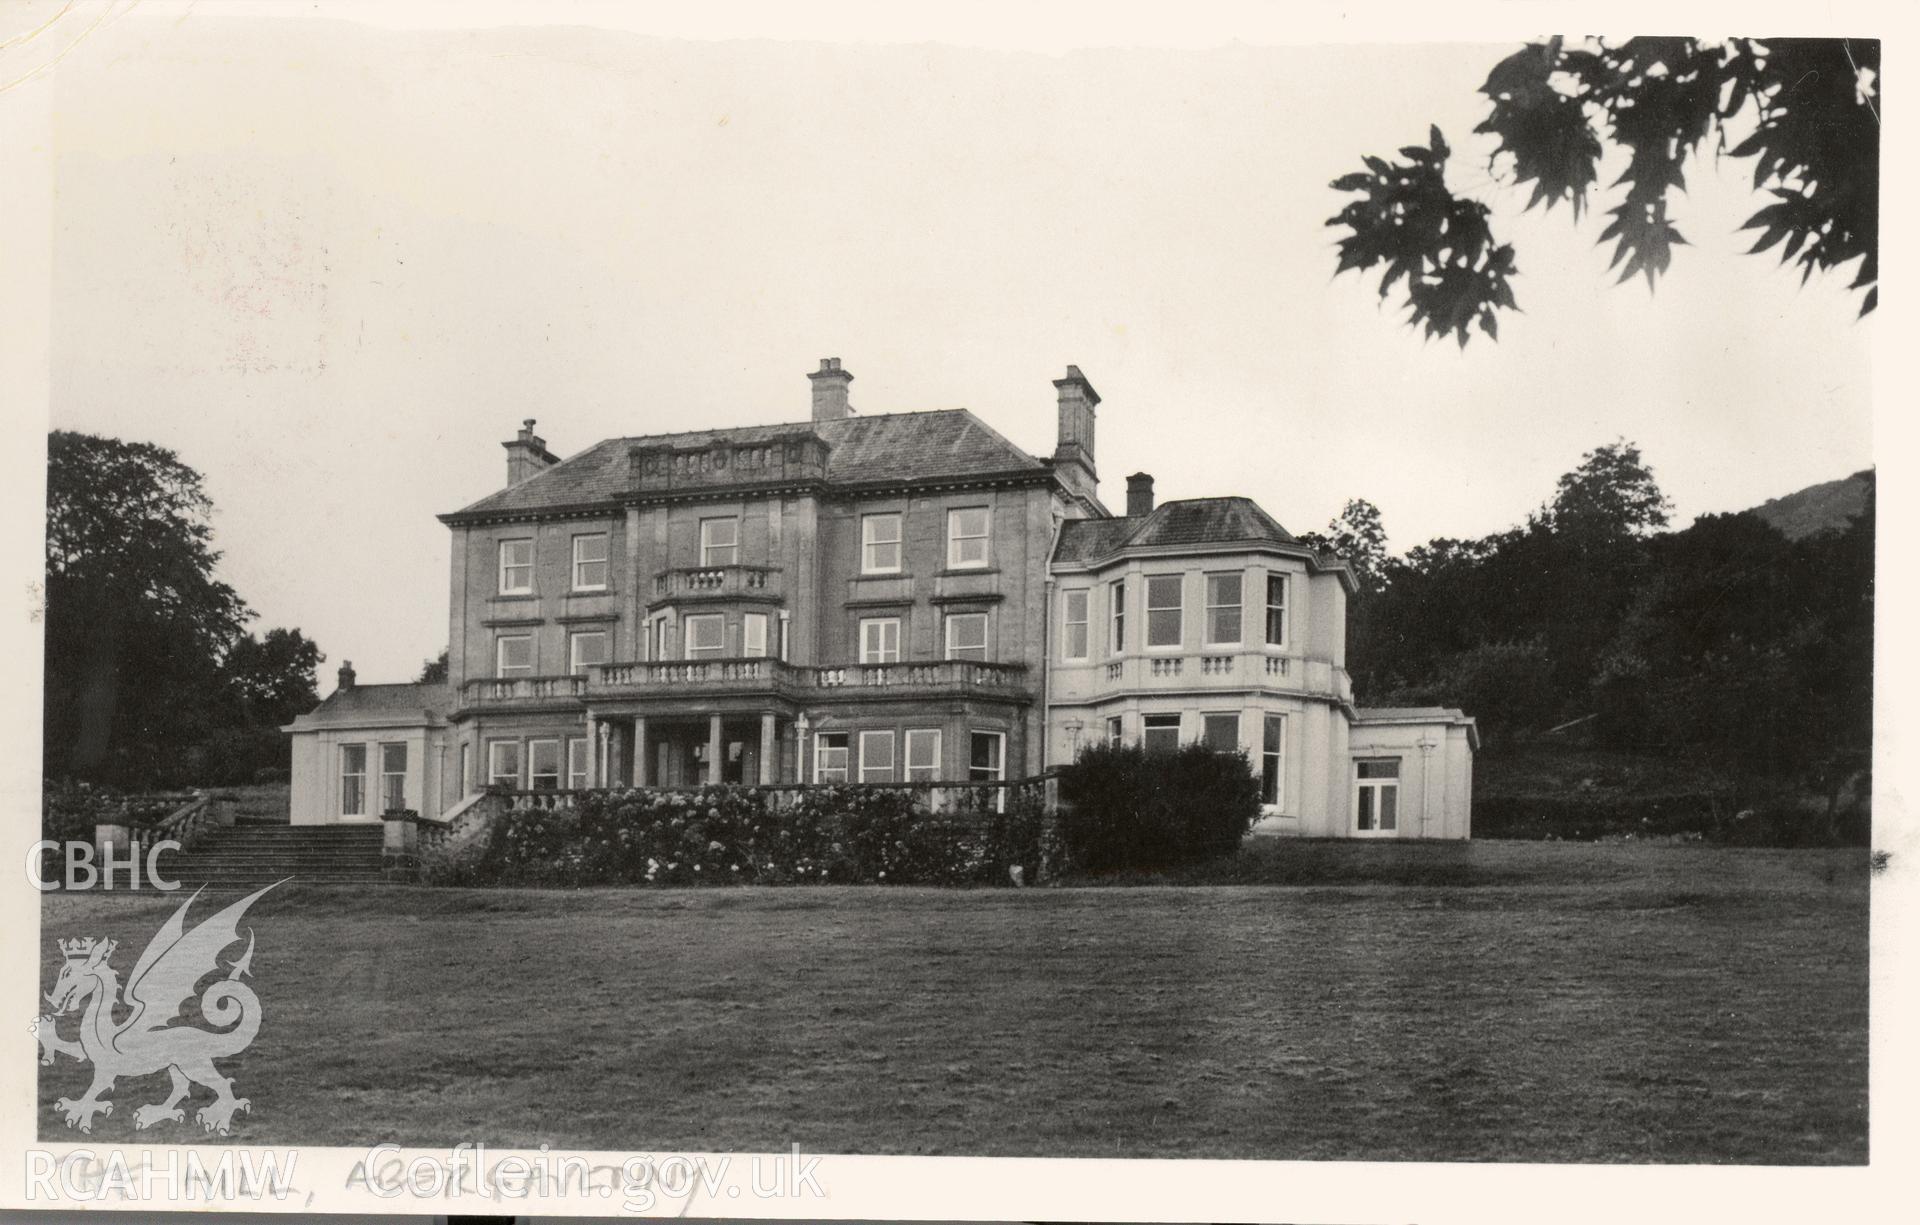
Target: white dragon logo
(154,1033)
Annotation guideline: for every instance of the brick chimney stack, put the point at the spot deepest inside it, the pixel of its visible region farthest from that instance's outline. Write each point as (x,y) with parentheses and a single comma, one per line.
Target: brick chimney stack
(346,674)
(1139,496)
(830,385)
(1073,457)
(527,454)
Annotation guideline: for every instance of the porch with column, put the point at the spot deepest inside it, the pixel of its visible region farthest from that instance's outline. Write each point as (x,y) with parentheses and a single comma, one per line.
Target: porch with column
(661,750)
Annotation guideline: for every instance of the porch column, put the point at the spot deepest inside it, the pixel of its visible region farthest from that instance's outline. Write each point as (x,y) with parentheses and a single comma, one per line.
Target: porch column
(603,762)
(593,752)
(639,751)
(767,744)
(714,748)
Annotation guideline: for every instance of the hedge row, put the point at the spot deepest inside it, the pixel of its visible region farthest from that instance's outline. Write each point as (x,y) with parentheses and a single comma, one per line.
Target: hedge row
(1704,817)
(742,835)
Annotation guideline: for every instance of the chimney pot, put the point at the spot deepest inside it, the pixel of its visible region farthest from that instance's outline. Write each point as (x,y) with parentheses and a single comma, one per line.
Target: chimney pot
(1073,456)
(527,454)
(1139,495)
(830,385)
(346,674)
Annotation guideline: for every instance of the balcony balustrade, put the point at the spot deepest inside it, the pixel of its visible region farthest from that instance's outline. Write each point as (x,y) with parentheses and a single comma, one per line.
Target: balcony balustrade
(509,689)
(944,674)
(719,582)
(694,675)
(1246,668)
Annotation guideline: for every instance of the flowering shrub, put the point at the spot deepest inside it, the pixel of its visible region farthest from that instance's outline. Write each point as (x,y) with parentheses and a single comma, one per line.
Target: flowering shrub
(744,835)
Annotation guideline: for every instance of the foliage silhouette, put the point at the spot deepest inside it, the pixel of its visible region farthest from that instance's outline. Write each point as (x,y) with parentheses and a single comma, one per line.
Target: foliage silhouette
(1805,110)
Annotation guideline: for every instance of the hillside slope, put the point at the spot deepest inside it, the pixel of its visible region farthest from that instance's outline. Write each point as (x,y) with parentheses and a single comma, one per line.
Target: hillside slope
(1818,508)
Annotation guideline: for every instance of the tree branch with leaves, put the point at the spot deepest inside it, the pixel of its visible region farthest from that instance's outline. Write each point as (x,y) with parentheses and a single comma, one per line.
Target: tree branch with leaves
(1805,110)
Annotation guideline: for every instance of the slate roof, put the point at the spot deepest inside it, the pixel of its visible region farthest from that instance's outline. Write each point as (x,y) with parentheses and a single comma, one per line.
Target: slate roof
(1364,715)
(1185,521)
(1408,714)
(383,702)
(942,444)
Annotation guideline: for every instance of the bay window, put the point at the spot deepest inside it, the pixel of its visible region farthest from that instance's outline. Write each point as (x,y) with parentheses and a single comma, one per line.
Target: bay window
(503,763)
(1073,636)
(1273,747)
(579,777)
(923,755)
(876,757)
(1223,610)
(706,636)
(1276,610)
(1160,733)
(543,765)
(987,757)
(1164,624)
(830,757)
(1220,732)
(967,636)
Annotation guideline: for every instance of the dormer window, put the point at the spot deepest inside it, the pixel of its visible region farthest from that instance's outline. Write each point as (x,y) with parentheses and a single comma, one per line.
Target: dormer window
(719,542)
(516,567)
(967,538)
(590,562)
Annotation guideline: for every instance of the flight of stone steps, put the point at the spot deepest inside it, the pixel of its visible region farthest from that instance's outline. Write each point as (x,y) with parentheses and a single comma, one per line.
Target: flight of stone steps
(249,854)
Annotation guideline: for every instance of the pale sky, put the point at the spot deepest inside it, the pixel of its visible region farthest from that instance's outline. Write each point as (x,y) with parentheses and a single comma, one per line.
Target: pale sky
(333,265)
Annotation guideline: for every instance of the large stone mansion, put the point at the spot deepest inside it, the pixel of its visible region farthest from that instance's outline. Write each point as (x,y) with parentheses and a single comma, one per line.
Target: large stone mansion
(874,598)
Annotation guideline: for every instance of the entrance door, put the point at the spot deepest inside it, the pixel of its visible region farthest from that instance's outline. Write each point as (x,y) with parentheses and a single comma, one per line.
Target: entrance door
(1376,797)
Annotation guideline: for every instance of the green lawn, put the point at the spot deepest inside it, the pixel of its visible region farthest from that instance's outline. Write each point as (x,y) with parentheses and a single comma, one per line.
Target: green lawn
(1500,1001)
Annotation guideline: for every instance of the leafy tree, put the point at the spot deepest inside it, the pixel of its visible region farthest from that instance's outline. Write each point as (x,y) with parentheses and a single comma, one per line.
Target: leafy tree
(272,679)
(1612,494)
(435,669)
(136,622)
(152,678)
(1357,537)
(1806,112)
(1726,646)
